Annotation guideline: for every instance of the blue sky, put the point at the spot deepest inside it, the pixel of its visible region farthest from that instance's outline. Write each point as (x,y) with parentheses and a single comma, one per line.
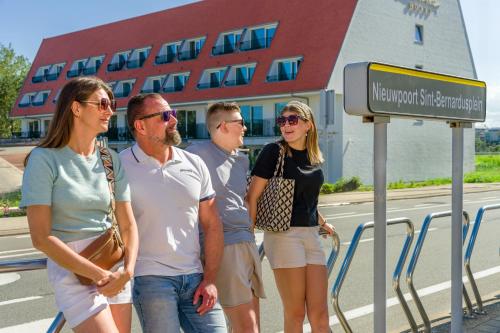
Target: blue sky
(55,17)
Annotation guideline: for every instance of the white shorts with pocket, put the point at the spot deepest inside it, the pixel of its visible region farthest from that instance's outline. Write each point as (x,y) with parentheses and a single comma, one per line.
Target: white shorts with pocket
(296,247)
(76,301)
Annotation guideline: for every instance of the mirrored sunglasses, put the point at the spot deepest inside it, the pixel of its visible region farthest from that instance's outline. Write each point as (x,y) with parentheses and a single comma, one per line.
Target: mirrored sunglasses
(165,115)
(292,119)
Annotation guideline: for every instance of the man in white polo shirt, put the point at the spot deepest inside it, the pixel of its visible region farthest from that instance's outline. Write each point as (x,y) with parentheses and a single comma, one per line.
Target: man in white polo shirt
(171,191)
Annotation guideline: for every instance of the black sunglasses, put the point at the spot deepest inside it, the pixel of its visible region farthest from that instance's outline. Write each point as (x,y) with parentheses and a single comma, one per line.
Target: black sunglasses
(165,115)
(292,119)
(103,104)
(240,121)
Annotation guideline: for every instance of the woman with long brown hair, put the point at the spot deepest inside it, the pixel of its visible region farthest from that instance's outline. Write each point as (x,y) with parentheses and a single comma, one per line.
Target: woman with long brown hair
(66,192)
(296,255)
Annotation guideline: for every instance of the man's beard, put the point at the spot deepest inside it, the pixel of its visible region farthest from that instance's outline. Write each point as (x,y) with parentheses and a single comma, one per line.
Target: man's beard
(172,138)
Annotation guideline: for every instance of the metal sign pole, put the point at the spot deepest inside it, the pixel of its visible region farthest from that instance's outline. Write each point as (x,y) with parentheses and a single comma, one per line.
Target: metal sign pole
(457,174)
(380,203)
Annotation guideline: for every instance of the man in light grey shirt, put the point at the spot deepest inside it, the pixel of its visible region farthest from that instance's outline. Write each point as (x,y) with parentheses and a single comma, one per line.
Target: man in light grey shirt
(239,280)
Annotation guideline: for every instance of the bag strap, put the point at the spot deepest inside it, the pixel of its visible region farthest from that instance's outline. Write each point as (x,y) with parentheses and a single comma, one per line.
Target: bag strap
(107,162)
(278,170)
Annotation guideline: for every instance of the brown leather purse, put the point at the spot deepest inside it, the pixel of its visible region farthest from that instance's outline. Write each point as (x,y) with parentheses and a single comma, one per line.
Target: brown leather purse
(108,249)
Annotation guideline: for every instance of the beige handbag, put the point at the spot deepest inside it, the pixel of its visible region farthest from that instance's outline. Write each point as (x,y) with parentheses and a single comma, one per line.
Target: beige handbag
(274,207)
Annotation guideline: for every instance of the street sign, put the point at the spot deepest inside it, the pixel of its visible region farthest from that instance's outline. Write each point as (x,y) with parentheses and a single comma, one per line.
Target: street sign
(372,88)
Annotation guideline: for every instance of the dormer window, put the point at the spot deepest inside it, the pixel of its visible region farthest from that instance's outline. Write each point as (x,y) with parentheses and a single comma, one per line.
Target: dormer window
(54,71)
(175,82)
(123,88)
(92,65)
(76,68)
(227,42)
(168,53)
(190,48)
(26,99)
(138,57)
(212,78)
(284,69)
(153,84)
(240,75)
(118,61)
(258,37)
(40,98)
(40,74)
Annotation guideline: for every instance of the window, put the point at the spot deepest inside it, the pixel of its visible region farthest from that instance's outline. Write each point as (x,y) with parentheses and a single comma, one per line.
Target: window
(284,69)
(92,65)
(138,57)
(56,97)
(40,74)
(254,120)
(212,78)
(76,68)
(26,99)
(123,88)
(168,53)
(186,124)
(153,84)
(190,48)
(258,37)
(175,82)
(419,34)
(240,75)
(40,98)
(227,42)
(54,71)
(118,61)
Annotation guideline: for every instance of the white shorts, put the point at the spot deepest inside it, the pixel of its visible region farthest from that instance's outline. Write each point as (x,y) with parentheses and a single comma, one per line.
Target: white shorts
(76,301)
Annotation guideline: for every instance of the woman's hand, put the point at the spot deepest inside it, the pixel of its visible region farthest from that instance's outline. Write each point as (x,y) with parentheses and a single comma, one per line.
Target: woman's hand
(330,229)
(113,283)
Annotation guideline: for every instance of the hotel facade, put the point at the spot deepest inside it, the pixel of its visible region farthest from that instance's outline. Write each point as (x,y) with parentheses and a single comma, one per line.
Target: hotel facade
(263,54)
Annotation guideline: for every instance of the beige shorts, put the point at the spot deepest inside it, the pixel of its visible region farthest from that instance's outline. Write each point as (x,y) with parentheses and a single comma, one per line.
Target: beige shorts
(296,247)
(76,301)
(240,275)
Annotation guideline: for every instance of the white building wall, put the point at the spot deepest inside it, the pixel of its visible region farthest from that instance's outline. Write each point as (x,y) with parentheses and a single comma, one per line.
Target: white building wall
(384,31)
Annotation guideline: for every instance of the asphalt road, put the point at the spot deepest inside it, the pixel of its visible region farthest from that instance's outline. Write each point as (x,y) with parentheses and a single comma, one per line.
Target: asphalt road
(27,303)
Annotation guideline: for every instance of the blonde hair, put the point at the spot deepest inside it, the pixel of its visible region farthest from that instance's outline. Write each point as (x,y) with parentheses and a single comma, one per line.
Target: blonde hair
(304,111)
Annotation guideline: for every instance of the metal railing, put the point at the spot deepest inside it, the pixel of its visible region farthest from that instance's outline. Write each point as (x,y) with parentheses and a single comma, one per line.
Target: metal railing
(468,255)
(414,259)
(30,265)
(348,259)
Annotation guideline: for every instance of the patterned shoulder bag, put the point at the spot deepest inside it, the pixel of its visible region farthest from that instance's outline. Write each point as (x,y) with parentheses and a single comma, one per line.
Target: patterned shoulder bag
(274,207)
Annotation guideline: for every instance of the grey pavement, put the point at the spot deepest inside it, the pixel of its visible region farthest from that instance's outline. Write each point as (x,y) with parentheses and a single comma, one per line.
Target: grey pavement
(11,177)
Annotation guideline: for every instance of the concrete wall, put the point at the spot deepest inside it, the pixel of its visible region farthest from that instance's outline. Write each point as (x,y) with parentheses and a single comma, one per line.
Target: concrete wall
(384,31)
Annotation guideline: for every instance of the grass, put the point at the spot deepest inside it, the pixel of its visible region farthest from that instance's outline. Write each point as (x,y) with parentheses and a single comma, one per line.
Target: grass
(487,171)
(11,199)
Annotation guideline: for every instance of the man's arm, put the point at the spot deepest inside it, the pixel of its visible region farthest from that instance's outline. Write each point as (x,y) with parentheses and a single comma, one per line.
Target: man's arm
(214,249)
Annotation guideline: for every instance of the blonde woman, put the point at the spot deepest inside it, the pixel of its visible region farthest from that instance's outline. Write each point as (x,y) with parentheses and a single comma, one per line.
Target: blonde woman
(296,255)
(66,193)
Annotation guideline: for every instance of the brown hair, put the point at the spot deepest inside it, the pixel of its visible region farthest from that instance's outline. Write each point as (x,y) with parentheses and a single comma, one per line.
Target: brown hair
(135,108)
(61,125)
(216,112)
(304,111)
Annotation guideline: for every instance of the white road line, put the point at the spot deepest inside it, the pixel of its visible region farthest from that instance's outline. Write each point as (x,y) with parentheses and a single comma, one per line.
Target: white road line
(24,236)
(21,255)
(19,300)
(423,205)
(368,309)
(18,250)
(371,239)
(490,198)
(34,326)
(341,214)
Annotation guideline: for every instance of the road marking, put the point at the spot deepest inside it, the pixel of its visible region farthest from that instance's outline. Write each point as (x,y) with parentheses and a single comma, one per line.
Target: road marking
(368,309)
(423,205)
(18,250)
(21,255)
(342,214)
(24,236)
(34,326)
(7,278)
(371,239)
(490,198)
(19,300)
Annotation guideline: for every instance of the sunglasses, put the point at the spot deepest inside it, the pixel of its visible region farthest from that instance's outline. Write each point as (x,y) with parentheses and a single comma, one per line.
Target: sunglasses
(164,114)
(292,119)
(103,104)
(239,121)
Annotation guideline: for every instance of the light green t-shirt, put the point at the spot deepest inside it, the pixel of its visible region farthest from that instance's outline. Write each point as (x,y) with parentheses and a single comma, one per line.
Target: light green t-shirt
(75,187)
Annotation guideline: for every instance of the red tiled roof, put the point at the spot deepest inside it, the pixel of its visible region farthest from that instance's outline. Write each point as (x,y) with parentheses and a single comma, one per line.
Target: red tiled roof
(312,29)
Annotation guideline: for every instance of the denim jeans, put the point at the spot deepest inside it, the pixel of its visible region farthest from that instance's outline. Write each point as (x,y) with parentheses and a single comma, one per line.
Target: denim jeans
(165,304)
